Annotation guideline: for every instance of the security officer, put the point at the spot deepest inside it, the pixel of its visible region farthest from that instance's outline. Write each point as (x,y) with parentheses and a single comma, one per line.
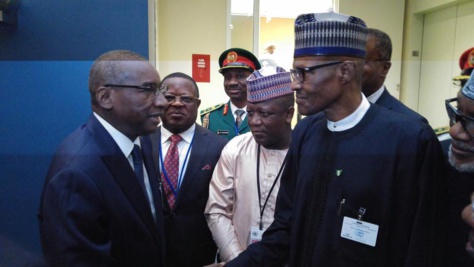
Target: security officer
(229,119)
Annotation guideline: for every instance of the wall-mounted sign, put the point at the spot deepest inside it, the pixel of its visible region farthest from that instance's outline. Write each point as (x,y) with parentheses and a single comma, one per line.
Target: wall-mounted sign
(202,68)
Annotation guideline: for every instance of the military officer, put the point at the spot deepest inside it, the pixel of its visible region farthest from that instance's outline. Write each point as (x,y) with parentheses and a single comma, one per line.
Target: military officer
(229,119)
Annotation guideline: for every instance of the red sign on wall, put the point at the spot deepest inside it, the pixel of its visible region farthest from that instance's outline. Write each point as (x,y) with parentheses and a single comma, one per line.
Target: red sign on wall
(202,68)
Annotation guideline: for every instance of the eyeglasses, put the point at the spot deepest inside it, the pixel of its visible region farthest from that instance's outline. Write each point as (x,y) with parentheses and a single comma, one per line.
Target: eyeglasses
(150,88)
(376,60)
(298,73)
(185,99)
(454,115)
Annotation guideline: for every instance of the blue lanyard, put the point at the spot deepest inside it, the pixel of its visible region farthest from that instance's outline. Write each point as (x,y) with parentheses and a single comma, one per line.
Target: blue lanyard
(180,177)
(236,129)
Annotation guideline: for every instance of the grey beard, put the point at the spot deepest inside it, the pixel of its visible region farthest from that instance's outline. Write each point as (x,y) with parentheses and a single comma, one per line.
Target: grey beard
(461,167)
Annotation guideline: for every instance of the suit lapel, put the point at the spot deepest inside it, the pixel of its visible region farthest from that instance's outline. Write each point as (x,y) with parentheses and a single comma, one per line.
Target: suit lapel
(155,139)
(154,177)
(229,118)
(200,147)
(244,126)
(122,172)
(385,100)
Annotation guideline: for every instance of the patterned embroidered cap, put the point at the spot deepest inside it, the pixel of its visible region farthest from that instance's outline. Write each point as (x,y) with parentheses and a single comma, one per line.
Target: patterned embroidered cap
(466,64)
(329,34)
(262,87)
(468,89)
(238,58)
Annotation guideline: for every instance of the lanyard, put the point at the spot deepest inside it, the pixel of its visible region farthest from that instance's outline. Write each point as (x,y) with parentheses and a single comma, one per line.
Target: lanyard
(180,177)
(262,209)
(236,128)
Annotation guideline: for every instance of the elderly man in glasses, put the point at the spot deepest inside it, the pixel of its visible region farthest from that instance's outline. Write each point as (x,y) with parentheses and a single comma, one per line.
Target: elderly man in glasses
(363,185)
(100,204)
(186,154)
(461,183)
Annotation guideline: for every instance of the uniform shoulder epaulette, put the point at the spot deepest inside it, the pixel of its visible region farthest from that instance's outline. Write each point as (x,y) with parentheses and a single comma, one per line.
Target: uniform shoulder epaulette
(207,110)
(441,130)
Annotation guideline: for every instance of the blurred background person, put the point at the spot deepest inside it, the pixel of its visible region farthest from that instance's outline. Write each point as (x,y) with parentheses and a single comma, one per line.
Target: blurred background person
(376,68)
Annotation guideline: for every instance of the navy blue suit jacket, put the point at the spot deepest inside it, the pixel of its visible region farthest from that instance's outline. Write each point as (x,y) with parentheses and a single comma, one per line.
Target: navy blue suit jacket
(388,101)
(93,211)
(188,238)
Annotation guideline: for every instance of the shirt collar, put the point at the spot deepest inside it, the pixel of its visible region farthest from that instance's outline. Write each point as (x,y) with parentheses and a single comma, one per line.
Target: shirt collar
(186,135)
(376,95)
(351,120)
(233,108)
(124,143)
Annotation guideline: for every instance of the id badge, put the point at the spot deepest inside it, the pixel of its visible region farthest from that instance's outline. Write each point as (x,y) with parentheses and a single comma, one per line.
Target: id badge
(255,235)
(359,231)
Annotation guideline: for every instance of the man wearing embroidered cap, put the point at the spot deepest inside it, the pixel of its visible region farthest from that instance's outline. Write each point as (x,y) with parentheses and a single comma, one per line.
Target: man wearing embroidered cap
(461,182)
(245,182)
(362,183)
(460,150)
(229,119)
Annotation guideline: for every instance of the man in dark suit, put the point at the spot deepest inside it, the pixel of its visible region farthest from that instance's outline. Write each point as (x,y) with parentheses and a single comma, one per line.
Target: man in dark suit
(100,204)
(377,65)
(188,239)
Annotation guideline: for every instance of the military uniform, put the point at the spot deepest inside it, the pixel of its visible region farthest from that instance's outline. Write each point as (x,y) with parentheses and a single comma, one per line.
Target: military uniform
(219,119)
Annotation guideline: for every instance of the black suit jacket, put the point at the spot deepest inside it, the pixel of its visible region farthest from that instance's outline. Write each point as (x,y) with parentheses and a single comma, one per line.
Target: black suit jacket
(388,101)
(93,211)
(188,238)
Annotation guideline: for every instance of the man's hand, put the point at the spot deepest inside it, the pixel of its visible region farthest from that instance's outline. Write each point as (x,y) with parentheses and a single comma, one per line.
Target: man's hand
(468,217)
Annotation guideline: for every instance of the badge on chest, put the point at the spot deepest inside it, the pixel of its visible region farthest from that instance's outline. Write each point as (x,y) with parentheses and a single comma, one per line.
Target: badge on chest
(359,231)
(255,235)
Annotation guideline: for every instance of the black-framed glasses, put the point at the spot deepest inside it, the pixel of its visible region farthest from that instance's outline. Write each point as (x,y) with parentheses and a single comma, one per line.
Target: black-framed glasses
(454,115)
(150,88)
(185,99)
(376,60)
(298,73)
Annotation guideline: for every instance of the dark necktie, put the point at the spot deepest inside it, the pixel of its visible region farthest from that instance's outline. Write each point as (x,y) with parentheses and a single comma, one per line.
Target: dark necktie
(238,117)
(171,166)
(138,165)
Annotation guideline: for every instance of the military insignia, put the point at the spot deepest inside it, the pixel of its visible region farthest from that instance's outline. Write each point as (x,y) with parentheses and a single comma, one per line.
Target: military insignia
(222,132)
(205,121)
(208,110)
(226,108)
(232,57)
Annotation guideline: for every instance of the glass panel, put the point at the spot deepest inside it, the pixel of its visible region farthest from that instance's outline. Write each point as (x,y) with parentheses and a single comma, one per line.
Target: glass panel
(241,24)
(277,18)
